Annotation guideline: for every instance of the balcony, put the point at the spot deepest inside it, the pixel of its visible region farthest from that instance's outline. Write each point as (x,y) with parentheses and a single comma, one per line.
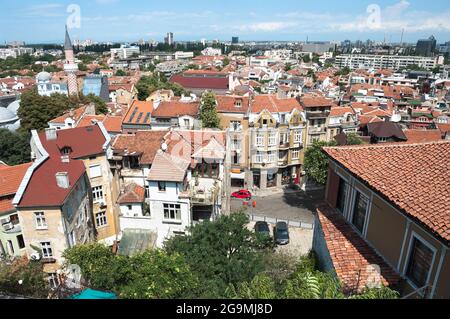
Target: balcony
(317,130)
(317,115)
(204,191)
(11,228)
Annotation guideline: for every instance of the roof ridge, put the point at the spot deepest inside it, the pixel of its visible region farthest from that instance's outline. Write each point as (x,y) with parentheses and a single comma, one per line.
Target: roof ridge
(387,145)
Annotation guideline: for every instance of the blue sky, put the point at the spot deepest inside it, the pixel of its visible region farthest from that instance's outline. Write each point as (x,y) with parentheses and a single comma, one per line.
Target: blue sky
(131,20)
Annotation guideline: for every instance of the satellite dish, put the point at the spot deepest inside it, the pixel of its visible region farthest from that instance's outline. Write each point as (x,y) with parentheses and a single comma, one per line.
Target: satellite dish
(164,147)
(396,118)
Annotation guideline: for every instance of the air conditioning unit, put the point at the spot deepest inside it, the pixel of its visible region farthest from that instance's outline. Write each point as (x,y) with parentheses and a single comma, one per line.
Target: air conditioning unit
(35,257)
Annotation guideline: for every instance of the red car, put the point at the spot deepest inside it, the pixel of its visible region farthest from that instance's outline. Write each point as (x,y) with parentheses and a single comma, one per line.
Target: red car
(242,194)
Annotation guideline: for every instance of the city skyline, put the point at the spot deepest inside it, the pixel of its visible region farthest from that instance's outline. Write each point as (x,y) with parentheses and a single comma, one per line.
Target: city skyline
(121,21)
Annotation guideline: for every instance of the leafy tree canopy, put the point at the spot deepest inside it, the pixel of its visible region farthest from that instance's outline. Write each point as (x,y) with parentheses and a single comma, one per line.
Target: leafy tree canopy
(220,253)
(149,84)
(208,111)
(316,162)
(14,147)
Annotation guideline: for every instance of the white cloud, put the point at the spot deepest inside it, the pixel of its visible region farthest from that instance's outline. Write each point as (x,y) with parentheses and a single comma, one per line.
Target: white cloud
(267,26)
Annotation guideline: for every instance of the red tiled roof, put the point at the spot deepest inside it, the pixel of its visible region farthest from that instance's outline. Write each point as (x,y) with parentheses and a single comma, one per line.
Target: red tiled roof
(274,104)
(397,171)
(444,128)
(113,124)
(6,205)
(83,141)
(89,120)
(145,142)
(227,104)
(77,113)
(351,255)
(197,82)
(176,109)
(139,113)
(42,190)
(308,102)
(133,194)
(11,177)
(423,136)
(341,111)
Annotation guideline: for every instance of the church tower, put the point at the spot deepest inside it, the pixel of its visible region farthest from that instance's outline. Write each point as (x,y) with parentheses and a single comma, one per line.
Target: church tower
(70,67)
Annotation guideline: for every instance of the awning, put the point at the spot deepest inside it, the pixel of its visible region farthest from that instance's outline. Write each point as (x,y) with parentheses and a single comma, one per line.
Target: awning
(94,294)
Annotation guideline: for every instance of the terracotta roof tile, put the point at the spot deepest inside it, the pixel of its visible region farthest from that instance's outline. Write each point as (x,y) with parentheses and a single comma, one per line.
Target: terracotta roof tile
(139,113)
(414,177)
(228,104)
(274,104)
(133,194)
(11,177)
(350,254)
(423,136)
(173,109)
(318,101)
(145,142)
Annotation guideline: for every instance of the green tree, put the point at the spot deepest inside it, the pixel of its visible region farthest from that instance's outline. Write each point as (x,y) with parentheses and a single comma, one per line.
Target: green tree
(149,275)
(208,111)
(220,253)
(354,139)
(316,162)
(261,287)
(344,71)
(306,58)
(150,84)
(23,278)
(36,111)
(121,73)
(14,147)
(100,105)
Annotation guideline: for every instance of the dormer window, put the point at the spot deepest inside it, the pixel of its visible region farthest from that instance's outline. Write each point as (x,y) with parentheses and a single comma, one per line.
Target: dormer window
(238,103)
(66,150)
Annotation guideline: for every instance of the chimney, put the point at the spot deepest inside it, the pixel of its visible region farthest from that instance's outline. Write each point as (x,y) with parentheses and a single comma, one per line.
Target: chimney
(65,159)
(90,109)
(50,134)
(62,180)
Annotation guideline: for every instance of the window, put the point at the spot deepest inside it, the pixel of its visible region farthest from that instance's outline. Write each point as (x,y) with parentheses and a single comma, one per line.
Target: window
(283,138)
(47,251)
(14,219)
(235,126)
(272,139)
(100,219)
(360,211)
(97,193)
(419,263)
(283,119)
(298,136)
(342,195)
(259,157)
(272,157)
(53,280)
(296,154)
(20,241)
(162,186)
(236,145)
(72,239)
(187,123)
(259,139)
(41,223)
(95,171)
(172,211)
(130,207)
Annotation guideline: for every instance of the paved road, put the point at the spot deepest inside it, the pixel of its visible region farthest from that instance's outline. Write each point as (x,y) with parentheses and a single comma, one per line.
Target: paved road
(295,206)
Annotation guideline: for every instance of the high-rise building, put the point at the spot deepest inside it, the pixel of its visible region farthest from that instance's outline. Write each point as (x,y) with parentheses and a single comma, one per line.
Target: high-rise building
(169,39)
(234,40)
(426,47)
(70,67)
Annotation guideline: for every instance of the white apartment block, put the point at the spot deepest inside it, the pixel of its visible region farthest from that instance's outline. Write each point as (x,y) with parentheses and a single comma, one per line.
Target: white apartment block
(366,61)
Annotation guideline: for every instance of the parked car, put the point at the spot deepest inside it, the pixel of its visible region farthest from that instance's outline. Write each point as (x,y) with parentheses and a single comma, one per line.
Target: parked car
(242,194)
(262,228)
(281,233)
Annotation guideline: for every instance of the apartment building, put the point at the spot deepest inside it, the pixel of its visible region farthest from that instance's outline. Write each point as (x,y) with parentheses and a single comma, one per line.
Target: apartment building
(392,62)
(391,217)
(276,139)
(183,177)
(12,243)
(233,113)
(54,202)
(317,112)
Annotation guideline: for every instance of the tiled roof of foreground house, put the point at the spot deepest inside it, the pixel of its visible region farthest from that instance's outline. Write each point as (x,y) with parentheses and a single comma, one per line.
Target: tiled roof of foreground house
(414,177)
(42,189)
(145,142)
(169,168)
(133,194)
(10,179)
(351,255)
